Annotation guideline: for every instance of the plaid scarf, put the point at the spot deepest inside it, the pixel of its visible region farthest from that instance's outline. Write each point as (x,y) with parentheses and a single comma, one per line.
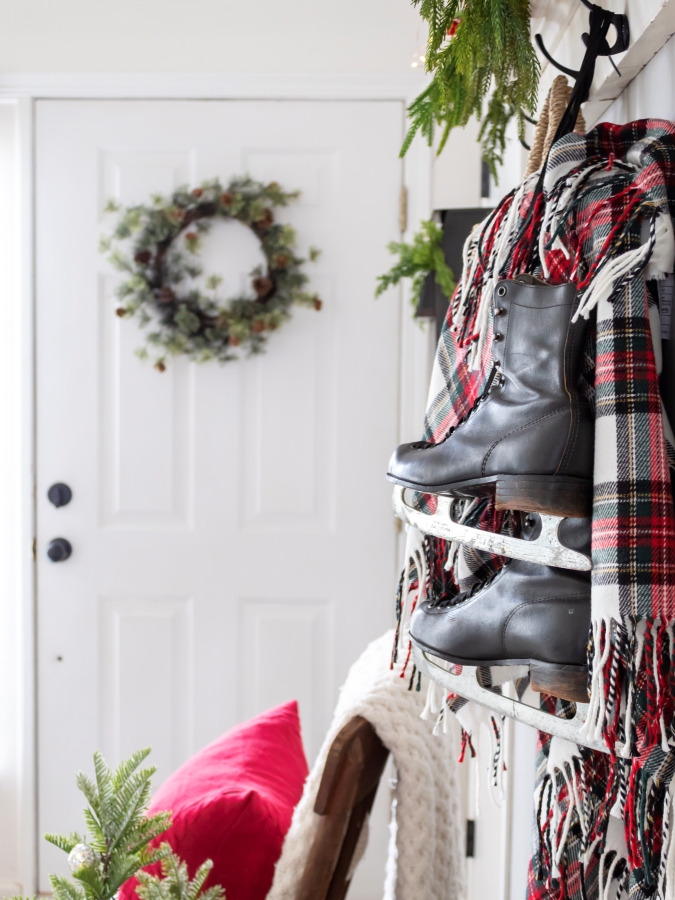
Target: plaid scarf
(603,222)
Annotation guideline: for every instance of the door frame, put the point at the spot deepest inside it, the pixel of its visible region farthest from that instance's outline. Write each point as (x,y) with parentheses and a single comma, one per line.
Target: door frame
(20,91)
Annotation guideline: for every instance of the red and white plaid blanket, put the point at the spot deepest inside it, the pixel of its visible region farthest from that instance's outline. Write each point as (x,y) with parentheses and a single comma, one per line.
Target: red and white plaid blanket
(604,222)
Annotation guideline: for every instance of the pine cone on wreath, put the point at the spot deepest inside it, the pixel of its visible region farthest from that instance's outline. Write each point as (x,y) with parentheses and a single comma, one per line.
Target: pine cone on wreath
(266,219)
(262,285)
(166,294)
(195,325)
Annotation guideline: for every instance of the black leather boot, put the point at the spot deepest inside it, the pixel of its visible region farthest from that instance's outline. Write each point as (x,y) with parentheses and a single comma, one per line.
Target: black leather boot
(527,614)
(529,440)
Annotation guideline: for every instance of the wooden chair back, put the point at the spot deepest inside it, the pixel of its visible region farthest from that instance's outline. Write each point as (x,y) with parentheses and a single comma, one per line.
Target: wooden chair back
(349,782)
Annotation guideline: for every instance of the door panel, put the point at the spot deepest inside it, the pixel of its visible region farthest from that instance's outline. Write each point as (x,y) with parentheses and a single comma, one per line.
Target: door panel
(221,560)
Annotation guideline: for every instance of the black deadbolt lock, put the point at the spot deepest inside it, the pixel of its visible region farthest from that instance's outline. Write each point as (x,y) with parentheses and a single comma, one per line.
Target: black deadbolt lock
(59,549)
(59,494)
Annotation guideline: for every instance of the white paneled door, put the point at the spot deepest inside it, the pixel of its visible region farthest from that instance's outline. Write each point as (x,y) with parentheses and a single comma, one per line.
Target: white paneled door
(222,562)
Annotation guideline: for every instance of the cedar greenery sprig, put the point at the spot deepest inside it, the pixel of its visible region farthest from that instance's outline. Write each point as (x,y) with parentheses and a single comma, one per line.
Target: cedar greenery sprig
(416,260)
(175,883)
(158,290)
(478,51)
(121,832)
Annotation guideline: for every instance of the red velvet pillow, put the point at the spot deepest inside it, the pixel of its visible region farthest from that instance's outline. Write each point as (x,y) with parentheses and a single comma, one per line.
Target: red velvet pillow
(233,803)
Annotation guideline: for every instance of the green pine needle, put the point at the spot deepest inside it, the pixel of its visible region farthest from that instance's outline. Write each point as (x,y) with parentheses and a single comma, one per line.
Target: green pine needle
(489,59)
(175,883)
(416,260)
(121,832)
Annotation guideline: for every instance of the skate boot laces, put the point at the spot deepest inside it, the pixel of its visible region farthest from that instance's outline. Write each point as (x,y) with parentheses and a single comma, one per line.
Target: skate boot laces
(455,599)
(496,380)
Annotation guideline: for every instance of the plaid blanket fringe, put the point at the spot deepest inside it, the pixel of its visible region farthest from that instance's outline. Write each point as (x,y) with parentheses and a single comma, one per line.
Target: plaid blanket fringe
(604,222)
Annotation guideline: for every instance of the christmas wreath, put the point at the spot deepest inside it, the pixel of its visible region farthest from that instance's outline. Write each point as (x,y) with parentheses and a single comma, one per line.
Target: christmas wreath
(160,290)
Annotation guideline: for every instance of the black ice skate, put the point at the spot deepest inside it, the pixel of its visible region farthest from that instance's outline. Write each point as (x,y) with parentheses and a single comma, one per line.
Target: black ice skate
(529,440)
(528,614)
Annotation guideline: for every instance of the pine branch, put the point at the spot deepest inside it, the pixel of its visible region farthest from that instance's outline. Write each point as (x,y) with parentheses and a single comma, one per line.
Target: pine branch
(416,260)
(175,883)
(120,828)
(65,843)
(63,889)
(480,52)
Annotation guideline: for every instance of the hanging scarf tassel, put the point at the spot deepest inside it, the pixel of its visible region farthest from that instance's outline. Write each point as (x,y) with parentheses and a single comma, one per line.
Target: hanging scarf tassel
(559,807)
(411,591)
(614,274)
(667,867)
(600,686)
(631,684)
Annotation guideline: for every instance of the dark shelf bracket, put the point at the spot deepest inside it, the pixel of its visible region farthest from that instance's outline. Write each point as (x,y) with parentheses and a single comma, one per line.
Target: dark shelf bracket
(607,18)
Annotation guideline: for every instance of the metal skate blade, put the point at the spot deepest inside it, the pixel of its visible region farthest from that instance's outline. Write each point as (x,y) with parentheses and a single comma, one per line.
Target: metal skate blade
(545,550)
(466,685)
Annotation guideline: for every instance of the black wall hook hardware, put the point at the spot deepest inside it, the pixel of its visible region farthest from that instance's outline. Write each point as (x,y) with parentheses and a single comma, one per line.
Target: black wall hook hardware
(573,73)
(599,22)
(604,19)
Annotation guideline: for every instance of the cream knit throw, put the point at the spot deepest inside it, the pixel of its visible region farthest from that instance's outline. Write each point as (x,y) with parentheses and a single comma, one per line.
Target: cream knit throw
(426,848)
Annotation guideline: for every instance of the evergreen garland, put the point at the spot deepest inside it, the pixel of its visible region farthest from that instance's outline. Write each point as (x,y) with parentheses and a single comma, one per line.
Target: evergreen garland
(121,832)
(158,292)
(416,260)
(478,50)
(175,883)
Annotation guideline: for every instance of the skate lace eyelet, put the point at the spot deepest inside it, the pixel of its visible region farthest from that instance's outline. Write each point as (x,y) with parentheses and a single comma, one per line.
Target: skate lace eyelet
(499,337)
(500,311)
(501,291)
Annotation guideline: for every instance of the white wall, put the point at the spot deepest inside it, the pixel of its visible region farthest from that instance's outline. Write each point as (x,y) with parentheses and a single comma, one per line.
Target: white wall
(651,93)
(260,36)
(16,595)
(457,171)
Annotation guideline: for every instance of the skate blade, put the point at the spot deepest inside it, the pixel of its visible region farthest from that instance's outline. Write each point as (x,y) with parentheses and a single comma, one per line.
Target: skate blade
(545,550)
(466,685)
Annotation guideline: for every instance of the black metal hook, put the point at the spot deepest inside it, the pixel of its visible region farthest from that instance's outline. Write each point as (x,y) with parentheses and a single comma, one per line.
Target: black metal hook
(574,73)
(618,20)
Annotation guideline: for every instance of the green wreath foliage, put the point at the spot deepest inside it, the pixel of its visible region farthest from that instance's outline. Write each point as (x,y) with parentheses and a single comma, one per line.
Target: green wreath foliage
(165,238)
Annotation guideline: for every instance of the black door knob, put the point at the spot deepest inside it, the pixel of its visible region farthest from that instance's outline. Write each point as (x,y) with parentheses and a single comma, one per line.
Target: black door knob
(59,549)
(59,494)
